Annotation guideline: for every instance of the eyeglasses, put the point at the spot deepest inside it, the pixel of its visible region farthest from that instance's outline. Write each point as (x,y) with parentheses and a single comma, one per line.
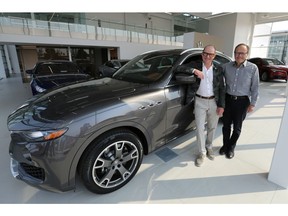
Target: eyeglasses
(208,54)
(239,53)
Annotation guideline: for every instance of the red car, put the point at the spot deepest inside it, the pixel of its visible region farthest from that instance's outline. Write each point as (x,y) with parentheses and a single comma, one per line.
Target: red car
(270,68)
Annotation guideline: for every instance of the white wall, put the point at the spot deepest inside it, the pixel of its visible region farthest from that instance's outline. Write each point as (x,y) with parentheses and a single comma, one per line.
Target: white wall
(128,51)
(13,58)
(244,30)
(224,27)
(189,39)
(2,69)
(200,40)
(235,28)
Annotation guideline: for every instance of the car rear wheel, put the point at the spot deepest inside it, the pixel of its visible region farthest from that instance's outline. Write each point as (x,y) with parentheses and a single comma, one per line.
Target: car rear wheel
(111,161)
(264,76)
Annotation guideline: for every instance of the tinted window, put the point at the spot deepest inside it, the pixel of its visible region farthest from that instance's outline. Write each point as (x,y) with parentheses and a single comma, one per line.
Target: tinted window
(148,68)
(123,63)
(274,62)
(44,70)
(57,68)
(256,61)
(109,64)
(193,58)
(219,60)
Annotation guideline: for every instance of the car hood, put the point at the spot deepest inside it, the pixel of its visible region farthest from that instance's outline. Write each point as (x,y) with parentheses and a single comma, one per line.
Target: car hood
(51,81)
(280,67)
(58,107)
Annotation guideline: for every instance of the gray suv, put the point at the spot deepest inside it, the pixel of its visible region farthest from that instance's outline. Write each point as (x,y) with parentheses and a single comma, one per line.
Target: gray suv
(101,128)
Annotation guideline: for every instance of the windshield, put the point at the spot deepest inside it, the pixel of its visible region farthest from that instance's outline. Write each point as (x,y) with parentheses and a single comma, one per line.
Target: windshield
(147,68)
(57,68)
(272,62)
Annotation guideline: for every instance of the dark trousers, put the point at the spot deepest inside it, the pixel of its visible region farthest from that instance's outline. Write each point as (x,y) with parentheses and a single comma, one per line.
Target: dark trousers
(234,114)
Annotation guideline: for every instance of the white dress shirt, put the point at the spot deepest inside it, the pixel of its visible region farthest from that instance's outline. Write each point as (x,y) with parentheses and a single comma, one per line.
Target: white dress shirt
(206,85)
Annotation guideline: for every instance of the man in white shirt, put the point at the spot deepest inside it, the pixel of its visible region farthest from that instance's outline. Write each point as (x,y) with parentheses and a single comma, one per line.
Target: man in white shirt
(209,102)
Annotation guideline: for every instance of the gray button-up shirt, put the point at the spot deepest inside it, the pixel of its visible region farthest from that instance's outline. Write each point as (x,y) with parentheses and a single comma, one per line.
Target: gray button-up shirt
(243,80)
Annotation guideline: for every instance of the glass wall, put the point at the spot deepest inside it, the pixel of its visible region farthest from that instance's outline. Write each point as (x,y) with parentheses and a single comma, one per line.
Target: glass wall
(271,40)
(85,58)
(181,22)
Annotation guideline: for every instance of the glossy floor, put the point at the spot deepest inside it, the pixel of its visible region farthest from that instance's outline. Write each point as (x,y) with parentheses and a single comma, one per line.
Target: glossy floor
(166,178)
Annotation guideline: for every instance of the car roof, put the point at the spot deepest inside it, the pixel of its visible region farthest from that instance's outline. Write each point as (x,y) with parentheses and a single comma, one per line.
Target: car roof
(261,58)
(120,60)
(53,61)
(179,51)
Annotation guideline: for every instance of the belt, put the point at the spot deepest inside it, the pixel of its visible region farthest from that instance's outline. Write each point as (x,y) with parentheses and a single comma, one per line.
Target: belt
(211,97)
(234,97)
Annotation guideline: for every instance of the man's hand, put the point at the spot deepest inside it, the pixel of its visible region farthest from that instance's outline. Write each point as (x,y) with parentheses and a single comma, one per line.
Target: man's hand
(250,108)
(220,111)
(199,73)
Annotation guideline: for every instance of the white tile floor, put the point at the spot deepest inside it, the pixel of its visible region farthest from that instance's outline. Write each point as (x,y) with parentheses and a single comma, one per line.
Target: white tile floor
(242,180)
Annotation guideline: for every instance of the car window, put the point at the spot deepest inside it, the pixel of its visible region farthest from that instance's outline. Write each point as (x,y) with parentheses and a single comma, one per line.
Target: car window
(193,58)
(147,68)
(57,68)
(220,60)
(274,62)
(265,62)
(123,63)
(117,64)
(44,70)
(109,64)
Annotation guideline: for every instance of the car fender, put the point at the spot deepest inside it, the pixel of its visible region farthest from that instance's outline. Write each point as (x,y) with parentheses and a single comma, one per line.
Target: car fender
(141,131)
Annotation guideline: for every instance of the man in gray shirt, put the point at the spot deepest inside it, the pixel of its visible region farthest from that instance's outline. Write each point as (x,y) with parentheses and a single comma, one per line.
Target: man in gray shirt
(242,82)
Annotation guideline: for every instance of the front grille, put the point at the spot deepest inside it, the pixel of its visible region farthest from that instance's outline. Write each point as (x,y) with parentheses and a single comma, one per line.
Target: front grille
(33,171)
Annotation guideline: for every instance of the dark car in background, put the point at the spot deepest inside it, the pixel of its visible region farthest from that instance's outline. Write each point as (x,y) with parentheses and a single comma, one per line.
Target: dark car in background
(109,67)
(54,73)
(101,128)
(270,68)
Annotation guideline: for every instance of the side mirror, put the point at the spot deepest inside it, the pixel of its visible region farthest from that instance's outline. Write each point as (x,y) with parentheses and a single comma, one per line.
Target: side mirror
(183,78)
(184,75)
(30,71)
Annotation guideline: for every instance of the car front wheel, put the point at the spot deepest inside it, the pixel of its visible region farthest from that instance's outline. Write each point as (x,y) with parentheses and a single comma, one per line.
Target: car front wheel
(264,76)
(111,161)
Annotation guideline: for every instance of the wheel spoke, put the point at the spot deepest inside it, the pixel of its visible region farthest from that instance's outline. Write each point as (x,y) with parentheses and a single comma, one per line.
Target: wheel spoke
(102,163)
(124,172)
(107,178)
(132,155)
(118,149)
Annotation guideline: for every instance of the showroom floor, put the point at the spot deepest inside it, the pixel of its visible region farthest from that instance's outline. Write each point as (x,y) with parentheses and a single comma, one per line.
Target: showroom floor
(169,174)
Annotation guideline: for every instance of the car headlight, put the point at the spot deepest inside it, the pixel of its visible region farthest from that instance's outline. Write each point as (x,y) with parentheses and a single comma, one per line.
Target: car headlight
(44,135)
(277,70)
(39,89)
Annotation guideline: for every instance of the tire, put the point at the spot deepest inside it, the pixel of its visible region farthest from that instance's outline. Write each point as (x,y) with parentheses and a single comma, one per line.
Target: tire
(105,169)
(264,76)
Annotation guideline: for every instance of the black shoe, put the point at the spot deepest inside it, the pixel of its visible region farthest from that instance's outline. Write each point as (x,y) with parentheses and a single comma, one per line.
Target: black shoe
(222,151)
(230,154)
